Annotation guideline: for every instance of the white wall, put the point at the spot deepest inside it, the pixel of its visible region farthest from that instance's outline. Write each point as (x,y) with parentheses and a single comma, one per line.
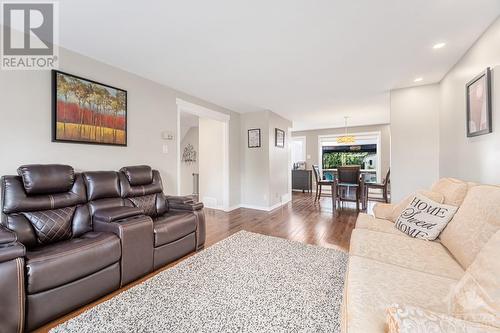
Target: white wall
(279,162)
(187,169)
(414,139)
(265,171)
(25,123)
(255,161)
(211,165)
(478,158)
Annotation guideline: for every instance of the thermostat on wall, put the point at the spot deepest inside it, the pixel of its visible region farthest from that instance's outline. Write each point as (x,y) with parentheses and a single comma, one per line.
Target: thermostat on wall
(166,135)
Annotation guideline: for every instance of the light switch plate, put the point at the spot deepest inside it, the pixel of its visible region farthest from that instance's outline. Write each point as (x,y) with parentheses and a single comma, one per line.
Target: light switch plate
(167,135)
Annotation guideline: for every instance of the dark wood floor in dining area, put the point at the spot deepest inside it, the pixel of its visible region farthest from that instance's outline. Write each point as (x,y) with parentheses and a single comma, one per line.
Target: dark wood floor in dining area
(301,220)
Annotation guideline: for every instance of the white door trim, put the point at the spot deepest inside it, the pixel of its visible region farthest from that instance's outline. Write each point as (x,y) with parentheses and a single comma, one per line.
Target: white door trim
(203,112)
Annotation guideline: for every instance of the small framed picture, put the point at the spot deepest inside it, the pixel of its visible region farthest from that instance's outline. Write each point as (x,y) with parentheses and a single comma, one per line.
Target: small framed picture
(478,97)
(279,138)
(254,138)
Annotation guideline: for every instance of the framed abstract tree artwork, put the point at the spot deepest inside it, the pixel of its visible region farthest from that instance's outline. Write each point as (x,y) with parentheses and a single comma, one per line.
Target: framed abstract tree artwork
(85,111)
(478,98)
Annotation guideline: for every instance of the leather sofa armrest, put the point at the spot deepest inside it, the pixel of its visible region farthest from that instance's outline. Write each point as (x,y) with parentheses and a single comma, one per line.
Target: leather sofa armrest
(9,247)
(11,251)
(197,209)
(183,203)
(116,213)
(185,199)
(7,236)
(193,206)
(136,238)
(11,282)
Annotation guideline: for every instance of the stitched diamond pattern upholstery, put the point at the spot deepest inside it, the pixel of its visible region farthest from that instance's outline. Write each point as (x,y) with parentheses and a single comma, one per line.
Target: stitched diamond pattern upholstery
(52,225)
(147,203)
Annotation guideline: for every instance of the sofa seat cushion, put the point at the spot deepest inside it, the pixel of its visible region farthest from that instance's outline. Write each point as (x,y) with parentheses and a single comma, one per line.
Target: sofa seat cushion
(54,265)
(173,226)
(369,222)
(372,286)
(416,254)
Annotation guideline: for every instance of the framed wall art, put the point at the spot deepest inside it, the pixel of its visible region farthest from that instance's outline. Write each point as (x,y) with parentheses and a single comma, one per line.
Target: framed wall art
(478,99)
(85,111)
(254,138)
(279,138)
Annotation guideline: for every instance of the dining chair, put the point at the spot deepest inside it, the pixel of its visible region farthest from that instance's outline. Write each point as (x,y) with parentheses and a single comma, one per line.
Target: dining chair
(349,178)
(319,185)
(384,186)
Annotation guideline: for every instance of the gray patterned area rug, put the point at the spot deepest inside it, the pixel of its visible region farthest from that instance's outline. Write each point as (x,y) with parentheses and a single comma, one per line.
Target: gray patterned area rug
(245,283)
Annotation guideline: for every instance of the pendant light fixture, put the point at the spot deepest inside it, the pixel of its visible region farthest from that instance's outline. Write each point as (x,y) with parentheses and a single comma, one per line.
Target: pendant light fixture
(346,138)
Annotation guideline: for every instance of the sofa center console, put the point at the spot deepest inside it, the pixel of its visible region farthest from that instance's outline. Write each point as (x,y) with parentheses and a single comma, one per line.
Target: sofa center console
(113,214)
(135,231)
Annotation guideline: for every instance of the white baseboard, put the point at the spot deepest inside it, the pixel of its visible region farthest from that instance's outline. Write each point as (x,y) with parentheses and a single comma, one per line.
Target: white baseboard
(214,207)
(286,199)
(264,208)
(229,209)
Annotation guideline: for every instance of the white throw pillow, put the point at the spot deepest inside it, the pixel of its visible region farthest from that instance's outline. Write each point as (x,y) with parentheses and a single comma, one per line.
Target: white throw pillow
(424,218)
(434,196)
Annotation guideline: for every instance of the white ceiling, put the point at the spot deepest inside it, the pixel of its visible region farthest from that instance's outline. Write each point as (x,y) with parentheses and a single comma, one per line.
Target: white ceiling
(311,61)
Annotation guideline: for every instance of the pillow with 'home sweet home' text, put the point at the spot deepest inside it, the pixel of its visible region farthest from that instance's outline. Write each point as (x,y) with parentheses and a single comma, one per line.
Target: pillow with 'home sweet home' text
(424,218)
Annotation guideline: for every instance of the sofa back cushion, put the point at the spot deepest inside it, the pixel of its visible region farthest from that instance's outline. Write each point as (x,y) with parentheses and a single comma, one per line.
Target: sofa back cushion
(46,179)
(103,190)
(453,190)
(476,297)
(44,218)
(102,184)
(147,196)
(138,175)
(477,219)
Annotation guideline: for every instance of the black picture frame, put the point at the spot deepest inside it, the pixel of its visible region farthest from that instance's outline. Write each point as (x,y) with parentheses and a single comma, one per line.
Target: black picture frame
(55,109)
(485,78)
(254,131)
(279,138)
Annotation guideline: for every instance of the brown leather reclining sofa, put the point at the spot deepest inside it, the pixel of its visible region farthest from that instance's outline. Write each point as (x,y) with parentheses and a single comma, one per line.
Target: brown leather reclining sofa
(67,239)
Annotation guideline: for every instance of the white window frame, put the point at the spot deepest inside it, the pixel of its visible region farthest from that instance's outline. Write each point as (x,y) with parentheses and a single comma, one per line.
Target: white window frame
(333,137)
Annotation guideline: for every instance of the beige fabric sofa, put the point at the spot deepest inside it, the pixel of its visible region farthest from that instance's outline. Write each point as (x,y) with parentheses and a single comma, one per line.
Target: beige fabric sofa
(387,267)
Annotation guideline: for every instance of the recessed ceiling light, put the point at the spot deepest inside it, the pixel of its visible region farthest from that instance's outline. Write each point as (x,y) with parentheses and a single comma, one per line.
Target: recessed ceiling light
(418,79)
(439,46)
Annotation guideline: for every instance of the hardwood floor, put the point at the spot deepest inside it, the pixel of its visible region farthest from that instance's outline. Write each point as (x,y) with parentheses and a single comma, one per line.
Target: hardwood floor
(301,220)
